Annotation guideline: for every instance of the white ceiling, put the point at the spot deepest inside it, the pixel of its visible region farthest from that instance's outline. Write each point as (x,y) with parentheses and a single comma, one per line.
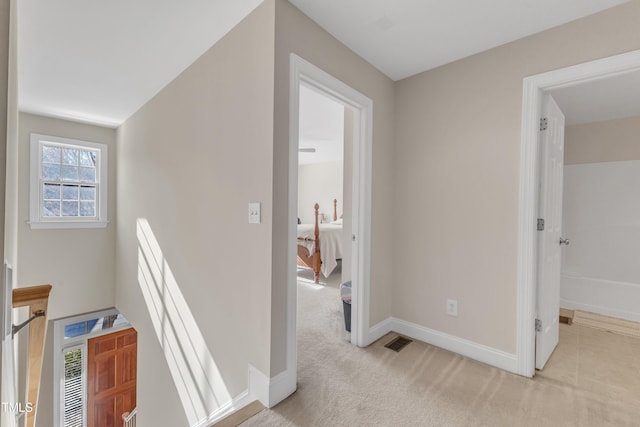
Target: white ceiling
(321,128)
(405,37)
(99,61)
(613,98)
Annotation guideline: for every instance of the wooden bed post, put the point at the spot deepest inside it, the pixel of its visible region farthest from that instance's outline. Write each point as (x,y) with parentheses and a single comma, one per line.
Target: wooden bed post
(312,258)
(316,253)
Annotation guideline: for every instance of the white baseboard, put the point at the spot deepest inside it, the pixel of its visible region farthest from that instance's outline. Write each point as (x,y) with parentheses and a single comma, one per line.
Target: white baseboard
(270,391)
(470,349)
(258,386)
(605,311)
(379,330)
(606,297)
(237,403)
(280,387)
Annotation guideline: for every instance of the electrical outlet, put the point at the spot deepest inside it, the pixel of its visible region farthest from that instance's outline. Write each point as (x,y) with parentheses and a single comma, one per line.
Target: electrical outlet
(452,307)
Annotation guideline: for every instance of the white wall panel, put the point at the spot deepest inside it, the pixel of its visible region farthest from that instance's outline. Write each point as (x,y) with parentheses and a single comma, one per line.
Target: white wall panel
(601,272)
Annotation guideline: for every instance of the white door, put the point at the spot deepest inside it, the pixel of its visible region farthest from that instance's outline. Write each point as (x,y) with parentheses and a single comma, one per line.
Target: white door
(549,239)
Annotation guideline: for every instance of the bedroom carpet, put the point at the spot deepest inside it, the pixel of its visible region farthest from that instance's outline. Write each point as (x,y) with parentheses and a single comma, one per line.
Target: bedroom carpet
(422,385)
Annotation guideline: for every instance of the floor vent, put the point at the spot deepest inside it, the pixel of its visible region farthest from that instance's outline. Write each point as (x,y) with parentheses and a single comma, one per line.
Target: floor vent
(398,343)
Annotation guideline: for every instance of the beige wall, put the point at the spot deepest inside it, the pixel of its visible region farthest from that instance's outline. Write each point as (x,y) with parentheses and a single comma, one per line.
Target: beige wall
(79,263)
(319,183)
(606,141)
(298,34)
(457,174)
(189,163)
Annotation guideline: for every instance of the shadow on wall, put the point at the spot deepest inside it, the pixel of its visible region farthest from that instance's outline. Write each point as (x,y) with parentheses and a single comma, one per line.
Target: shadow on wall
(194,371)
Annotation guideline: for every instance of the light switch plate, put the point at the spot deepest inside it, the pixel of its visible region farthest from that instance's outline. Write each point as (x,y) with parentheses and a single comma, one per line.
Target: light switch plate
(452,307)
(254,213)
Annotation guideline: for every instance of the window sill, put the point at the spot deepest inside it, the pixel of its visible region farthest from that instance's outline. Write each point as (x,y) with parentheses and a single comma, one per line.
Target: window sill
(40,225)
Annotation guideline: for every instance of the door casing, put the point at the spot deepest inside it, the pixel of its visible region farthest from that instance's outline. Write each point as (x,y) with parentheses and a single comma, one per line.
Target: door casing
(303,72)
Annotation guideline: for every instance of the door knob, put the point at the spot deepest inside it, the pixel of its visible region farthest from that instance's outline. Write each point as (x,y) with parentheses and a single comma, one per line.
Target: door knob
(564,241)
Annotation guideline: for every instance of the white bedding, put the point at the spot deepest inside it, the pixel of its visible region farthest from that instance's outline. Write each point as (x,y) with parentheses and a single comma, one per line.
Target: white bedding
(330,244)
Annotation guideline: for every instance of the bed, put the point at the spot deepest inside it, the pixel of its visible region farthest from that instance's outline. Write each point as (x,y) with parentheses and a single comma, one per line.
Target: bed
(320,245)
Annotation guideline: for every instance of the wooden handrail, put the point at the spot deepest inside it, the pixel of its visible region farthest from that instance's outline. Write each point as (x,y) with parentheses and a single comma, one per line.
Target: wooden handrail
(23,296)
(37,299)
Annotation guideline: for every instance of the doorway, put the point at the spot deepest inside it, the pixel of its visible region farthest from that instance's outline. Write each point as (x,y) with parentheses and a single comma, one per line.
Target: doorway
(599,276)
(111,377)
(95,365)
(305,73)
(535,88)
(324,196)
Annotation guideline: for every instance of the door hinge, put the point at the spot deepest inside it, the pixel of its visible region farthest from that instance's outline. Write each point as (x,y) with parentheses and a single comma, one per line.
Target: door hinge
(544,124)
(540,224)
(538,325)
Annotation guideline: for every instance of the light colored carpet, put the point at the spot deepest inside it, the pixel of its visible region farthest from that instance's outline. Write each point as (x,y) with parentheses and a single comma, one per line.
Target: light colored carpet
(599,361)
(342,385)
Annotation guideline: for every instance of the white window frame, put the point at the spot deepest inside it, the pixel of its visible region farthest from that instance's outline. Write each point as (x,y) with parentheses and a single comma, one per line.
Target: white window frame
(36,219)
(61,345)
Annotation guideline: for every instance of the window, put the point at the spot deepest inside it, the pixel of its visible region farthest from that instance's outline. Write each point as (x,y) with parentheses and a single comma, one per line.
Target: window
(73,386)
(97,324)
(68,183)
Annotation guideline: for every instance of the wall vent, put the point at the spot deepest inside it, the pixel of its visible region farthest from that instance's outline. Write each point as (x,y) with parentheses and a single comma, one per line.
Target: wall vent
(398,343)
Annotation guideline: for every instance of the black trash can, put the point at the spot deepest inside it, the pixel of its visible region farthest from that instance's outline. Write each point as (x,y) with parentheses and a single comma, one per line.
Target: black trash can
(345,294)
